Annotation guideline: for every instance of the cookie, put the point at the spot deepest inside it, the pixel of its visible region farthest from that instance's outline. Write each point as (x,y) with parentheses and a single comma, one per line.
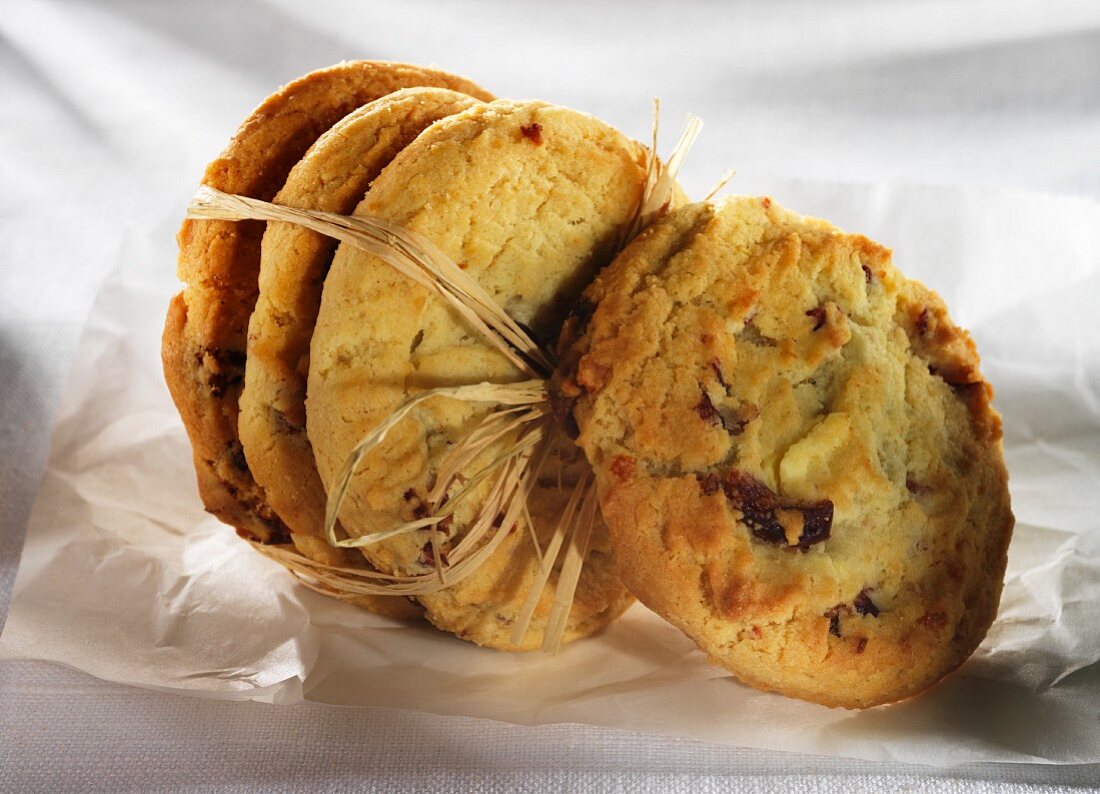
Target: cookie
(795,452)
(531,200)
(333,176)
(204,342)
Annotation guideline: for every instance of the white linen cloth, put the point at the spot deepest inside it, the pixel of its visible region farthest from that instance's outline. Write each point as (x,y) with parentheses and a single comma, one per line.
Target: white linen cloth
(112,109)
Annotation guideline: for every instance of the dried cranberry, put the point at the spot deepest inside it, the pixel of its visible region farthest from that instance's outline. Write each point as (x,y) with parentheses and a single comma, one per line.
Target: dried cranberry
(916,488)
(706,409)
(817,523)
(532,132)
(760,506)
(864,605)
(757,503)
(736,422)
(819,316)
(427,556)
(622,466)
(732,422)
(717,367)
(709,483)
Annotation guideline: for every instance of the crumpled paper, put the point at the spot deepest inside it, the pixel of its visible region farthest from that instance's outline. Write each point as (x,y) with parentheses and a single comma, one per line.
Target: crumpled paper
(123,575)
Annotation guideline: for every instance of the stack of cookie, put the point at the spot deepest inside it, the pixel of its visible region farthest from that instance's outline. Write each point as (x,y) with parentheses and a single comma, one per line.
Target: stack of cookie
(529,199)
(792,445)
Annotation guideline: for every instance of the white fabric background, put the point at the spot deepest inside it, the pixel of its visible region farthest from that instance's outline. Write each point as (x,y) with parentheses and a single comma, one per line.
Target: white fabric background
(109,111)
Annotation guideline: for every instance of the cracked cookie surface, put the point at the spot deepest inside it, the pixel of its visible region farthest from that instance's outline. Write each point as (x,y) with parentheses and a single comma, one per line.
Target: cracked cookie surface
(333,177)
(795,450)
(531,200)
(204,341)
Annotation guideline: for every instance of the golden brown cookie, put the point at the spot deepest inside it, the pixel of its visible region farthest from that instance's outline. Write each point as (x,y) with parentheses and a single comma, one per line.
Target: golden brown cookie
(333,176)
(795,450)
(531,201)
(204,342)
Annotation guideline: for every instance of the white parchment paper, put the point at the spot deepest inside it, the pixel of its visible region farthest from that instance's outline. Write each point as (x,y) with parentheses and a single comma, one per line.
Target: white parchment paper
(124,576)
